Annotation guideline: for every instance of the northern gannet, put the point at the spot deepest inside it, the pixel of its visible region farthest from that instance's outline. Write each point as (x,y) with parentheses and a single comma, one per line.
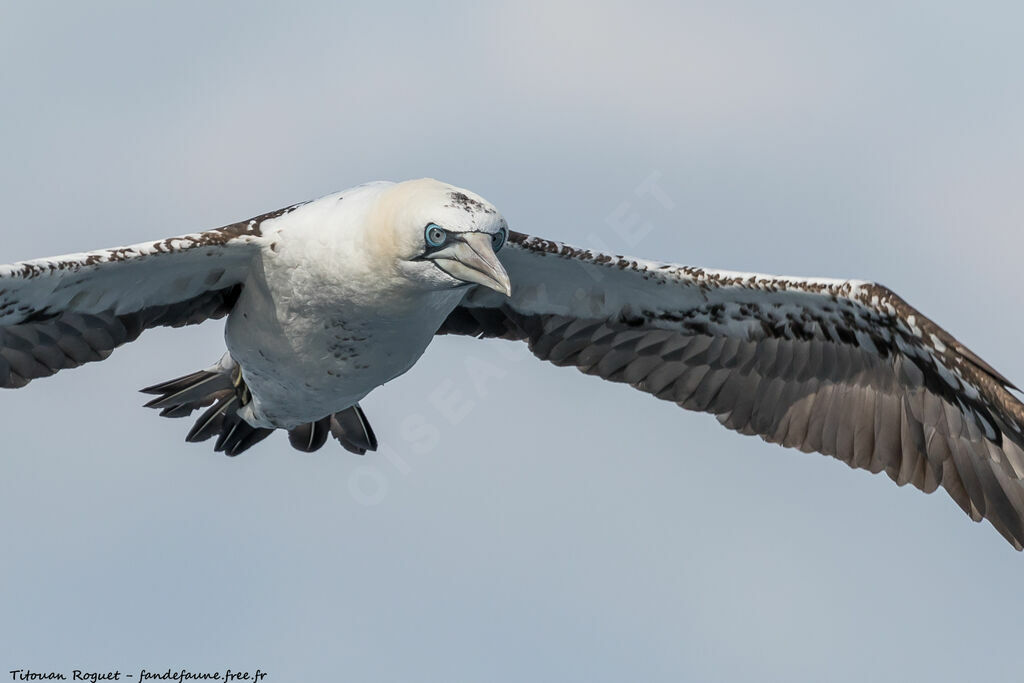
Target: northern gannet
(327,300)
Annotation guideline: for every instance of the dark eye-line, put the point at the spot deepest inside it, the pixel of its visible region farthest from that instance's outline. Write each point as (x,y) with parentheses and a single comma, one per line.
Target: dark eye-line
(434,235)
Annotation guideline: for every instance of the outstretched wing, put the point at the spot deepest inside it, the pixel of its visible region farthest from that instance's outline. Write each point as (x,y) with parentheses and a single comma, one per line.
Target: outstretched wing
(64,311)
(844,368)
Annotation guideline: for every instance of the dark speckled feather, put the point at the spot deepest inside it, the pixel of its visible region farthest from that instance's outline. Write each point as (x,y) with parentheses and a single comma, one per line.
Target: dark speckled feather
(844,368)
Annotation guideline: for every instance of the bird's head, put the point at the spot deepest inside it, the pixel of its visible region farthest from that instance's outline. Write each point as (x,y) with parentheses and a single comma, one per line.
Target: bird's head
(445,237)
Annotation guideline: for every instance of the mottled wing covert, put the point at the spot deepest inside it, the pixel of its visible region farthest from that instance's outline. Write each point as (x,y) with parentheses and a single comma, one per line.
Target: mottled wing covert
(844,368)
(61,312)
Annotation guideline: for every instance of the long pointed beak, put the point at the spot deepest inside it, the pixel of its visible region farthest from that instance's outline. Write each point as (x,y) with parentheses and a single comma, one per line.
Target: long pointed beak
(471,258)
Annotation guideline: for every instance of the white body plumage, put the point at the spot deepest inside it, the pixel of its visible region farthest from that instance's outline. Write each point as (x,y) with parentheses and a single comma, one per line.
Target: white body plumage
(325,316)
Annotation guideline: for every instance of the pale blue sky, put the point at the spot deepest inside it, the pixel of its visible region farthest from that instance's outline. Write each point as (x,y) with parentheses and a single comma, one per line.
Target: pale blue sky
(563,528)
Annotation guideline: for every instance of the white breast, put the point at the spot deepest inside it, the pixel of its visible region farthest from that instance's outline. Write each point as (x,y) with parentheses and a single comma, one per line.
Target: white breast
(317,327)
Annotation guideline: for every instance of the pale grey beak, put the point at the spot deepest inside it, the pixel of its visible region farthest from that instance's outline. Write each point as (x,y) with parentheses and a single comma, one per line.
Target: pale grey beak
(470,257)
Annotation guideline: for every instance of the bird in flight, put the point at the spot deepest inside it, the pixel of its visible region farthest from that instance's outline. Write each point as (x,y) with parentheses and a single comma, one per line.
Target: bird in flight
(327,300)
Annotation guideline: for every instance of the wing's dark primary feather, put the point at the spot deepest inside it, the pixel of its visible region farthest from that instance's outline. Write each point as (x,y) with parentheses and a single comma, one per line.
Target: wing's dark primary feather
(844,368)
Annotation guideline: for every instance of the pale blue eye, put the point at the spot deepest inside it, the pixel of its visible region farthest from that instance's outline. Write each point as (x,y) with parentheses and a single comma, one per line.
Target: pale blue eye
(498,239)
(435,235)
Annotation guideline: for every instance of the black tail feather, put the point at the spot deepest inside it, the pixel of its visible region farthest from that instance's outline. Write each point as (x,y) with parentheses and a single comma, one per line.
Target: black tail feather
(222,392)
(311,436)
(352,430)
(180,397)
(211,422)
(237,435)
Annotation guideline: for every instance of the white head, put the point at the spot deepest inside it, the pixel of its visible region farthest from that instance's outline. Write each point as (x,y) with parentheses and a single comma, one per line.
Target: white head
(443,236)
